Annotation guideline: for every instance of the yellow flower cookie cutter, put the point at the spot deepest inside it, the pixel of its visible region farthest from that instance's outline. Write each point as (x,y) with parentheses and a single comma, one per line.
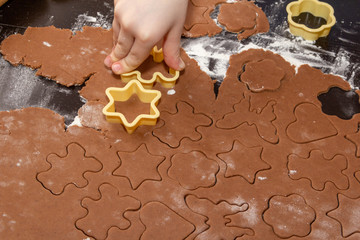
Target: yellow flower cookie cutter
(166,82)
(123,94)
(318,9)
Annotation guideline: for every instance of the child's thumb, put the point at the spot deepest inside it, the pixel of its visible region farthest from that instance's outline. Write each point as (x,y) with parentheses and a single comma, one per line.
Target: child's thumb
(171,50)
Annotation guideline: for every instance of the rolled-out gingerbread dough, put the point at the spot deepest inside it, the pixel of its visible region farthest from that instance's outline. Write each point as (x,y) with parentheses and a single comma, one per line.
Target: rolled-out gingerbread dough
(259,159)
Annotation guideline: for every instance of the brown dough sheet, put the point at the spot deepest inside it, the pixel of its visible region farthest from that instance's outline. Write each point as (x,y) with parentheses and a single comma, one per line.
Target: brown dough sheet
(242,17)
(254,163)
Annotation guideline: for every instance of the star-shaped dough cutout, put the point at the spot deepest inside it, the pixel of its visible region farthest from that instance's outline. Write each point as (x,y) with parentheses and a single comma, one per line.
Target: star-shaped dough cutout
(244,161)
(139,166)
(124,94)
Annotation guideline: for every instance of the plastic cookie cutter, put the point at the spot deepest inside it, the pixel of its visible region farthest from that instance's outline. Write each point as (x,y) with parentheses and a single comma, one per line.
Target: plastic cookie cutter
(166,82)
(316,8)
(2,2)
(123,94)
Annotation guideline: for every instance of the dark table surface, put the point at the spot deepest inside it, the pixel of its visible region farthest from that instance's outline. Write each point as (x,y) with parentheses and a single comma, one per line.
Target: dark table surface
(19,87)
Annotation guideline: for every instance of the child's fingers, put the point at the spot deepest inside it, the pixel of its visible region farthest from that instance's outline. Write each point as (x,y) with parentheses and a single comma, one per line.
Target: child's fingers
(116,31)
(138,54)
(123,45)
(171,49)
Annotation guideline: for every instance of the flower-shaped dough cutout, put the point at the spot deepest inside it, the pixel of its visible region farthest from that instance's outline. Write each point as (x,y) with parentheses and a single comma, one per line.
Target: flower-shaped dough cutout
(263,75)
(319,170)
(124,94)
(289,216)
(139,166)
(244,18)
(106,212)
(193,170)
(347,214)
(316,8)
(68,169)
(153,70)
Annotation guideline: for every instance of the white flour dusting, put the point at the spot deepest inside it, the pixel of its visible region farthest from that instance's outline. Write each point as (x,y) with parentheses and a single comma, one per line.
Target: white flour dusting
(99,20)
(171,92)
(76,122)
(47,44)
(213,53)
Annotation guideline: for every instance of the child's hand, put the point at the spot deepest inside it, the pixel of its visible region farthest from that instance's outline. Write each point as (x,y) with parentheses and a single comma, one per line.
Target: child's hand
(139,25)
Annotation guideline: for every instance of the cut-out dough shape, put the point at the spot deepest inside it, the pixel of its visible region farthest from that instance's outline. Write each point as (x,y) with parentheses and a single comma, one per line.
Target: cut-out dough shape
(152,70)
(179,125)
(319,170)
(139,166)
(243,161)
(160,220)
(289,216)
(347,214)
(216,214)
(310,125)
(244,18)
(195,15)
(106,212)
(357,176)
(199,23)
(263,120)
(262,76)
(355,139)
(193,170)
(68,169)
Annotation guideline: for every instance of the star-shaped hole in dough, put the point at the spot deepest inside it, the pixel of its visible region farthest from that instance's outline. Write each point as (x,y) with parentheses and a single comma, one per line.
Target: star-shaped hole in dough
(124,94)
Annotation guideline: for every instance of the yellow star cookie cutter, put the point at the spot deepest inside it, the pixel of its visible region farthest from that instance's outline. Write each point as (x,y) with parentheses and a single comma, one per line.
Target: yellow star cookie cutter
(166,82)
(316,8)
(123,94)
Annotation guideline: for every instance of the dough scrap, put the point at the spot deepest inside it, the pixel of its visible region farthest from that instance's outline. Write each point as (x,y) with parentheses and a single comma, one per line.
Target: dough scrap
(242,17)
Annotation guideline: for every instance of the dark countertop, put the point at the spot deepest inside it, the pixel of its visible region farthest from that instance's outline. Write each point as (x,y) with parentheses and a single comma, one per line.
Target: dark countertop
(19,87)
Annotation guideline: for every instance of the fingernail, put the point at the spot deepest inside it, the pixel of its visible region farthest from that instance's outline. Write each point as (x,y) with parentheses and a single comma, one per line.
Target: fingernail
(116,67)
(108,61)
(181,64)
